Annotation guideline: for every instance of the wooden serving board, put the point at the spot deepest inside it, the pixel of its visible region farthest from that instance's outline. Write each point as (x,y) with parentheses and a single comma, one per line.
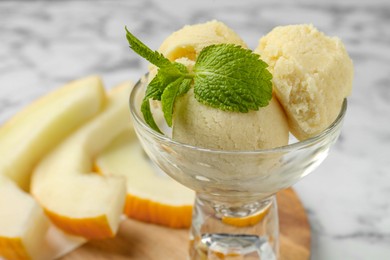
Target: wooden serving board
(142,241)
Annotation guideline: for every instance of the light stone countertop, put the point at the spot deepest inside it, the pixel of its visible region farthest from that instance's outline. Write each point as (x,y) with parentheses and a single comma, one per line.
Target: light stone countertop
(46,44)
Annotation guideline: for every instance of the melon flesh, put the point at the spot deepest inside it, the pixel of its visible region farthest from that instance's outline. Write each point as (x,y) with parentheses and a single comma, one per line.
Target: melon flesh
(152,196)
(74,198)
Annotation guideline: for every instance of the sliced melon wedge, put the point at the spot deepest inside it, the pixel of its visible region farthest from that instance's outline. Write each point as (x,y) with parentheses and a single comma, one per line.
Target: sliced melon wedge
(24,139)
(31,133)
(23,225)
(76,200)
(152,196)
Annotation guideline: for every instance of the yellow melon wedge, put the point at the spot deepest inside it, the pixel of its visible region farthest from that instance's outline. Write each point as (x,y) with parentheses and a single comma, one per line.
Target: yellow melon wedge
(76,200)
(30,134)
(152,196)
(24,139)
(23,226)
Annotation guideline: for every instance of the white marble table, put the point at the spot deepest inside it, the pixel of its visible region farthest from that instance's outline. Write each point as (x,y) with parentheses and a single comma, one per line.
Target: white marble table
(45,44)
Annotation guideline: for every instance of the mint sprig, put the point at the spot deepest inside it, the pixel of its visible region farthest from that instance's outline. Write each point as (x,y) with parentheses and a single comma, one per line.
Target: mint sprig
(225,76)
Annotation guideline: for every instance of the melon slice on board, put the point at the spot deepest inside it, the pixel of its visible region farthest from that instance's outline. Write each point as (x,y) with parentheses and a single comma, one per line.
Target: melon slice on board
(152,196)
(74,198)
(23,226)
(38,128)
(26,232)
(24,139)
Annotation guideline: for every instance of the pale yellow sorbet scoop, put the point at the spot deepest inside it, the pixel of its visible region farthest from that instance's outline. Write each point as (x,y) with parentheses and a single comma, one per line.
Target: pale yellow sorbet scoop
(312,74)
(191,39)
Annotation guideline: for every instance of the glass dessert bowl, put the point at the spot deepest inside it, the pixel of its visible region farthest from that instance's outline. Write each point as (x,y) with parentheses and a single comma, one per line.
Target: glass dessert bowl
(235,211)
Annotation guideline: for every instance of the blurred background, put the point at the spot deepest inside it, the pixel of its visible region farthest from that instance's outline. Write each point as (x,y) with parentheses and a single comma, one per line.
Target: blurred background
(44,44)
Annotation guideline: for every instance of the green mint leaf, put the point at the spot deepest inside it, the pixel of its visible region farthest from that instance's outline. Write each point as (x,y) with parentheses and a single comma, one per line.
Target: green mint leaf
(173,69)
(155,91)
(184,87)
(148,116)
(168,98)
(141,49)
(231,78)
(168,73)
(156,87)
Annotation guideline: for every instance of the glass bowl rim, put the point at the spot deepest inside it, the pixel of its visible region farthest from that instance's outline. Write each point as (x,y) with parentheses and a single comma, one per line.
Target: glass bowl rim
(280,149)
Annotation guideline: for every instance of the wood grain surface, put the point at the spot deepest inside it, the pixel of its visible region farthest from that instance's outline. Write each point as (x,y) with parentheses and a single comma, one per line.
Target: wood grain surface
(142,241)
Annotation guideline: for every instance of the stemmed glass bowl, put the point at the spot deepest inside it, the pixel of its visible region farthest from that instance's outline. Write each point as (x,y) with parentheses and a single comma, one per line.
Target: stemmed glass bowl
(235,210)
